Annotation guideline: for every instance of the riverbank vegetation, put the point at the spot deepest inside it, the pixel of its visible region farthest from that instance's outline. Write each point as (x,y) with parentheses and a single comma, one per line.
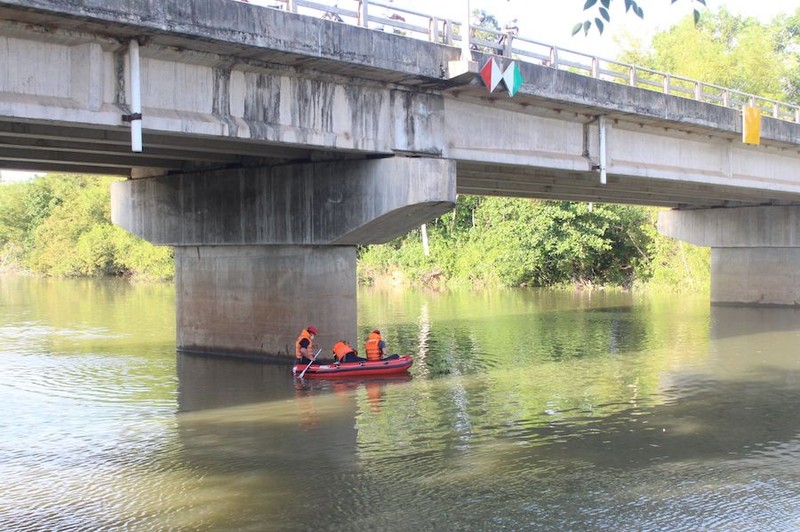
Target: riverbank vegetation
(60,225)
(489,241)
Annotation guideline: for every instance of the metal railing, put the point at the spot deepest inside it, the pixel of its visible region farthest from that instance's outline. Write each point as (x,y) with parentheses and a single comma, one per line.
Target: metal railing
(414,24)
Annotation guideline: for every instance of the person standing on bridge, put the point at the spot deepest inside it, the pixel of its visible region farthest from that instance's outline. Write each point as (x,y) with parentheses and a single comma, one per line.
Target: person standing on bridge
(304,345)
(511,28)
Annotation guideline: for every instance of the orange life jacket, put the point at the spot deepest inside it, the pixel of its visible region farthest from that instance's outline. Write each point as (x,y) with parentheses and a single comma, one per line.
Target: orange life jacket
(340,349)
(372,346)
(307,335)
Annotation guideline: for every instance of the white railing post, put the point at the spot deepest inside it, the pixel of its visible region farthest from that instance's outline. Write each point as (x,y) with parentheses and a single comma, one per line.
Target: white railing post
(666,83)
(633,76)
(292,6)
(775,110)
(448,31)
(363,13)
(595,68)
(433,29)
(554,57)
(698,91)
(466,53)
(507,45)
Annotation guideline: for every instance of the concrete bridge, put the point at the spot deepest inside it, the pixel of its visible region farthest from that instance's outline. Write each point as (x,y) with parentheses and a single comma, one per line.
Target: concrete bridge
(274,143)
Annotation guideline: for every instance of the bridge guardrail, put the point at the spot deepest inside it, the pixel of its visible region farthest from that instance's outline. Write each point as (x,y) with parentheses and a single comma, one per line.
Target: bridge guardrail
(418,25)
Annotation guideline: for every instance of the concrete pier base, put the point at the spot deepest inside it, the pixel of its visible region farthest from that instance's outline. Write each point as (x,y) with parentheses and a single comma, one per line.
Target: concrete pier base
(755,276)
(755,255)
(257,299)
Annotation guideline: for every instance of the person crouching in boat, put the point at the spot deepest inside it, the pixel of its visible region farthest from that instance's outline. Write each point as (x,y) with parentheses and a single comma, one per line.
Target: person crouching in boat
(376,347)
(304,345)
(342,352)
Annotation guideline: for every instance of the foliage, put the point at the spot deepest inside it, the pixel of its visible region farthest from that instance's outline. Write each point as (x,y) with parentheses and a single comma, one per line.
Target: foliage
(603,15)
(730,51)
(485,25)
(60,224)
(513,242)
(676,266)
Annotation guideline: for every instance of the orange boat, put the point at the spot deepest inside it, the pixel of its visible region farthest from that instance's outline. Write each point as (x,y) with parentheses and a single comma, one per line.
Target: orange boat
(389,366)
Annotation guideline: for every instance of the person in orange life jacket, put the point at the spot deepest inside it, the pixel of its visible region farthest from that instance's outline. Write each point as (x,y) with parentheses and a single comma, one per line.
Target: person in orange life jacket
(376,347)
(303,346)
(342,352)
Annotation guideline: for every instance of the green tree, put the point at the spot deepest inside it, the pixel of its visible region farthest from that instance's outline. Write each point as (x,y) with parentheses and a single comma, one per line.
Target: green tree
(730,51)
(512,242)
(60,224)
(602,13)
(548,242)
(676,266)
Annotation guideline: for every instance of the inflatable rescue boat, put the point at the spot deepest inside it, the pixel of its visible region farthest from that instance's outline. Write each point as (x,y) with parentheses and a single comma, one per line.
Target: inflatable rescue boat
(389,366)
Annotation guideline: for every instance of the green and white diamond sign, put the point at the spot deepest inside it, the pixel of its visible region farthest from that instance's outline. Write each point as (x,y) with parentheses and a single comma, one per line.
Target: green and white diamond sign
(511,77)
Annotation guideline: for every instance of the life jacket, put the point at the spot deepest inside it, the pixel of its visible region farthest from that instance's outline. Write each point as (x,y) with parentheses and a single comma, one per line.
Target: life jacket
(307,335)
(372,346)
(340,350)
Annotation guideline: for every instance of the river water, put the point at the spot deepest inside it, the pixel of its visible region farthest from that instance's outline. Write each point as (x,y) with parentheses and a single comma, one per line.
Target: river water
(524,410)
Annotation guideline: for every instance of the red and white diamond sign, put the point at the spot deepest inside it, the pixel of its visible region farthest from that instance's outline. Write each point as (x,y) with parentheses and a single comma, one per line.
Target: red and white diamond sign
(492,76)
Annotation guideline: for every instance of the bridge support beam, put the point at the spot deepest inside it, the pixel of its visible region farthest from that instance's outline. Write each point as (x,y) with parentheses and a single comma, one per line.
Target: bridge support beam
(263,252)
(755,251)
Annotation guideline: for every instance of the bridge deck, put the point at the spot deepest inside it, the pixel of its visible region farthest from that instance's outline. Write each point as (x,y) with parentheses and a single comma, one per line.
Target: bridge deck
(54,118)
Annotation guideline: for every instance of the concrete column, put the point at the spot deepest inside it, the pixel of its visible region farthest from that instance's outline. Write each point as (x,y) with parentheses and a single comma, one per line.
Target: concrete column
(257,299)
(261,253)
(755,255)
(755,276)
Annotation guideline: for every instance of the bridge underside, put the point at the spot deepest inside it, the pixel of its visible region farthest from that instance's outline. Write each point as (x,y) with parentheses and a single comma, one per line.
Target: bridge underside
(50,148)
(564,185)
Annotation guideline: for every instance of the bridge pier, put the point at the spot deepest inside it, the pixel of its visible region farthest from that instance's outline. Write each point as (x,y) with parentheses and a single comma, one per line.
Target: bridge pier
(263,252)
(755,251)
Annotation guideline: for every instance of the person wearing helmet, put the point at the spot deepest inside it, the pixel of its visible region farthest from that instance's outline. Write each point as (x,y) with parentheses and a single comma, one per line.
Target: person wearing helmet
(304,345)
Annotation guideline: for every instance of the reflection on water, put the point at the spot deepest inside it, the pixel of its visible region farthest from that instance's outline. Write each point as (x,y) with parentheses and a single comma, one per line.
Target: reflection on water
(523,410)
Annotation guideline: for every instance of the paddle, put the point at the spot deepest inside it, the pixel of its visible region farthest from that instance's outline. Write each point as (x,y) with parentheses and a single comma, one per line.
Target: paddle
(309,364)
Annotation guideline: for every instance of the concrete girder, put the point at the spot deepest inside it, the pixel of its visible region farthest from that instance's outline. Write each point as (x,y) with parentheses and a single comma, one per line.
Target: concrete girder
(486,137)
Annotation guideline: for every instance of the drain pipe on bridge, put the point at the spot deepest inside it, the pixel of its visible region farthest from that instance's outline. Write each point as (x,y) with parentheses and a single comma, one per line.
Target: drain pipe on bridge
(601,124)
(602,133)
(135,118)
